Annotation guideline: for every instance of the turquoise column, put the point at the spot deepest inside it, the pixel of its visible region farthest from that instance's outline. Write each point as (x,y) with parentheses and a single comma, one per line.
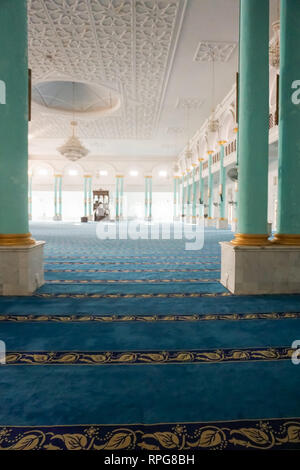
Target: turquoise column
(188,213)
(150,197)
(85,196)
(14,225)
(121,195)
(288,219)
(29,196)
(253,135)
(194,207)
(60,197)
(175,180)
(90,198)
(57,197)
(201,187)
(117,198)
(210,188)
(146,197)
(222,183)
(183,198)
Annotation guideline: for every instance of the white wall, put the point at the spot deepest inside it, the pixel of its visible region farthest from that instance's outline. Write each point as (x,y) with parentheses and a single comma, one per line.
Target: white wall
(73,208)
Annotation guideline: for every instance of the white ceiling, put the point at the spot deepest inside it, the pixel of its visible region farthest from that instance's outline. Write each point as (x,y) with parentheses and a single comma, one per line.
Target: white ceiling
(151,55)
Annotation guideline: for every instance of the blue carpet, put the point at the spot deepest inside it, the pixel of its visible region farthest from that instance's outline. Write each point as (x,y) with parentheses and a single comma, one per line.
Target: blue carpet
(153,300)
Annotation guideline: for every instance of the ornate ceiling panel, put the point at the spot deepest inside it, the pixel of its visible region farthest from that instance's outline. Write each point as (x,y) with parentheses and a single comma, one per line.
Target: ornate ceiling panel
(125,45)
(208,51)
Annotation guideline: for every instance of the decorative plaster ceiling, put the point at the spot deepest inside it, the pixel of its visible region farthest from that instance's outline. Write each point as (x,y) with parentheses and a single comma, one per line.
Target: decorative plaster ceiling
(141,52)
(189,103)
(208,51)
(127,45)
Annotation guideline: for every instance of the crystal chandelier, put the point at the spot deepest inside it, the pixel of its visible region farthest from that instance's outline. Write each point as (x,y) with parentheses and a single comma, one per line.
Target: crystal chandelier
(275,45)
(73,150)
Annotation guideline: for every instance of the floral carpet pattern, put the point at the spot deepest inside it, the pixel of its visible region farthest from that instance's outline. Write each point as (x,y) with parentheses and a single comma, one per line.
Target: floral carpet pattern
(213,370)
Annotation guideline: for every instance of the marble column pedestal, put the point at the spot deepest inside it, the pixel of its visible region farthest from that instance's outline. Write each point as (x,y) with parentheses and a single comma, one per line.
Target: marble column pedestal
(250,270)
(210,222)
(222,224)
(21,269)
(57,217)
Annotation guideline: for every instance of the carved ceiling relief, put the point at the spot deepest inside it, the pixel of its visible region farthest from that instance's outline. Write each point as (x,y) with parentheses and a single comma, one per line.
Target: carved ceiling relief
(126,45)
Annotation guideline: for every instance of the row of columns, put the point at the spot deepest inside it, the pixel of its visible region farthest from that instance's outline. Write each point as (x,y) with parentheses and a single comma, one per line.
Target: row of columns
(189,191)
(253,135)
(251,263)
(87,197)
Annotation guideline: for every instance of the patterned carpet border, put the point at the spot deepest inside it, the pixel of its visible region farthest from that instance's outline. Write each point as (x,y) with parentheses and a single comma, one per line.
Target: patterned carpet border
(180,263)
(264,434)
(131,270)
(98,358)
(149,318)
(135,296)
(129,257)
(127,281)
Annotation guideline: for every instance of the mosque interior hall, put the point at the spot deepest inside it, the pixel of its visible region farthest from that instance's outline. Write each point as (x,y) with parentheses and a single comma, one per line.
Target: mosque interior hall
(149,225)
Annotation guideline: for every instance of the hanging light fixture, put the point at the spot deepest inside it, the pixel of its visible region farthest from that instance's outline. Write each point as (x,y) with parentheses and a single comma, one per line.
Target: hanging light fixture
(274,49)
(73,150)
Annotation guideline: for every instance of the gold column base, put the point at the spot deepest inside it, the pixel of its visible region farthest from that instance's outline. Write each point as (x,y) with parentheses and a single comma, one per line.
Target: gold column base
(249,239)
(283,239)
(16,239)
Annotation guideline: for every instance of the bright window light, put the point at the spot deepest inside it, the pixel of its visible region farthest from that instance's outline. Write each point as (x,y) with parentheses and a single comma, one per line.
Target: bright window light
(43,172)
(103,173)
(134,173)
(73,172)
(162,173)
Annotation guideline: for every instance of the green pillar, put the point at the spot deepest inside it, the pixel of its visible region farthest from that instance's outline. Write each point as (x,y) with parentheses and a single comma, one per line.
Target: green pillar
(57,197)
(222,184)
(288,221)
(201,187)
(90,198)
(30,196)
(117,198)
(60,196)
(85,195)
(194,189)
(121,195)
(175,180)
(150,197)
(253,135)
(146,197)
(14,226)
(210,188)
(188,213)
(183,198)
